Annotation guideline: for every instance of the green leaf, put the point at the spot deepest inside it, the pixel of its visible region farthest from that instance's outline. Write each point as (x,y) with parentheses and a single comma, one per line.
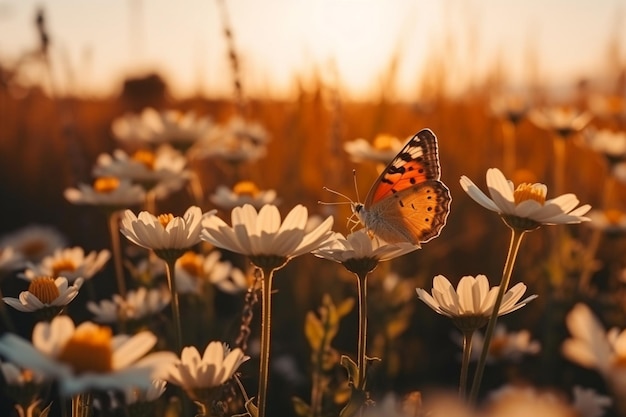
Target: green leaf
(357,400)
(301,408)
(351,367)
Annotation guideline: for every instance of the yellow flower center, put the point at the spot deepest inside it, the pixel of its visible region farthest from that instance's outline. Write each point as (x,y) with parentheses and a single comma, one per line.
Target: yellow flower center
(44,289)
(528,191)
(105,185)
(246,188)
(62,265)
(145,157)
(89,350)
(384,142)
(165,219)
(191,263)
(613,216)
(27,375)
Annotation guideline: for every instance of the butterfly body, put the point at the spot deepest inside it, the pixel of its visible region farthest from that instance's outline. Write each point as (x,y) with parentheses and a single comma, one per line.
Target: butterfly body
(408,202)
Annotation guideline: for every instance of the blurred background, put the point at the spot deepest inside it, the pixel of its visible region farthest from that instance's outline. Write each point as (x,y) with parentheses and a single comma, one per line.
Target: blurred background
(315,75)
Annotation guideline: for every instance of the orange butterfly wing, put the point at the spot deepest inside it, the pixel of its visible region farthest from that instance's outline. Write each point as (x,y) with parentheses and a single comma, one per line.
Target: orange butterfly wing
(408,202)
(417,162)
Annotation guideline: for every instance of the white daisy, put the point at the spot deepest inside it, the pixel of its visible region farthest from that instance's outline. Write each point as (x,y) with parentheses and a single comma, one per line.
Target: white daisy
(166,167)
(195,373)
(34,242)
(359,245)
(86,357)
(193,269)
(522,401)
(244,192)
(165,232)
(137,305)
(45,292)
(71,263)
(511,107)
(591,346)
(108,192)
(525,206)
(152,127)
(472,298)
(609,221)
(382,150)
(608,143)
(237,140)
(562,120)
(263,235)
(505,345)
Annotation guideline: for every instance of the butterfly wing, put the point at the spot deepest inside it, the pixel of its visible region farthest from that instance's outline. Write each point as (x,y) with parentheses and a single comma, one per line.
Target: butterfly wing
(417,162)
(408,202)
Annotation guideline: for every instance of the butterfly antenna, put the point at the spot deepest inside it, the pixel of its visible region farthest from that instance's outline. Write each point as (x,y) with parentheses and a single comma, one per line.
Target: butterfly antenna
(349,200)
(356,188)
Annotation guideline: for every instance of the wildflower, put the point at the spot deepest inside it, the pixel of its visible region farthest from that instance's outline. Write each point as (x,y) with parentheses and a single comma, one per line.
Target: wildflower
(610,144)
(564,121)
(472,302)
(151,127)
(138,304)
(263,237)
(86,357)
(33,242)
(610,221)
(163,170)
(383,149)
(71,263)
(23,386)
(244,192)
(270,244)
(200,375)
(166,235)
(512,401)
(107,192)
(588,403)
(236,141)
(193,269)
(509,107)
(358,252)
(525,207)
(46,293)
(505,345)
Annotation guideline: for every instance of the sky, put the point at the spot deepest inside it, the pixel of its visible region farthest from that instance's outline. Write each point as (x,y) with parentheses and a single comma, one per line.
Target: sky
(96,43)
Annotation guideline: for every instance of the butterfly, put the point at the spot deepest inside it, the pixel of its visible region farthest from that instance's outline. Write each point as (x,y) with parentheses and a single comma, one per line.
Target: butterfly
(408,202)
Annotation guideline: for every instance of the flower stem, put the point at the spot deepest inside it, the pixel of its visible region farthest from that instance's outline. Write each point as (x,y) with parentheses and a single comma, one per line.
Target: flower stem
(467,351)
(81,405)
(266,313)
(114,229)
(171,281)
(516,240)
(362,343)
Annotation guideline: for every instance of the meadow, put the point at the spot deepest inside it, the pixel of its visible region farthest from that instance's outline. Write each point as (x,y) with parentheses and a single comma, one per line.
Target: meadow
(50,143)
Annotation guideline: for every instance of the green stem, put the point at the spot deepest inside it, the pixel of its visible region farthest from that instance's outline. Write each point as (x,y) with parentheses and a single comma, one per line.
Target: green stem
(362,343)
(467,351)
(171,281)
(266,312)
(516,240)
